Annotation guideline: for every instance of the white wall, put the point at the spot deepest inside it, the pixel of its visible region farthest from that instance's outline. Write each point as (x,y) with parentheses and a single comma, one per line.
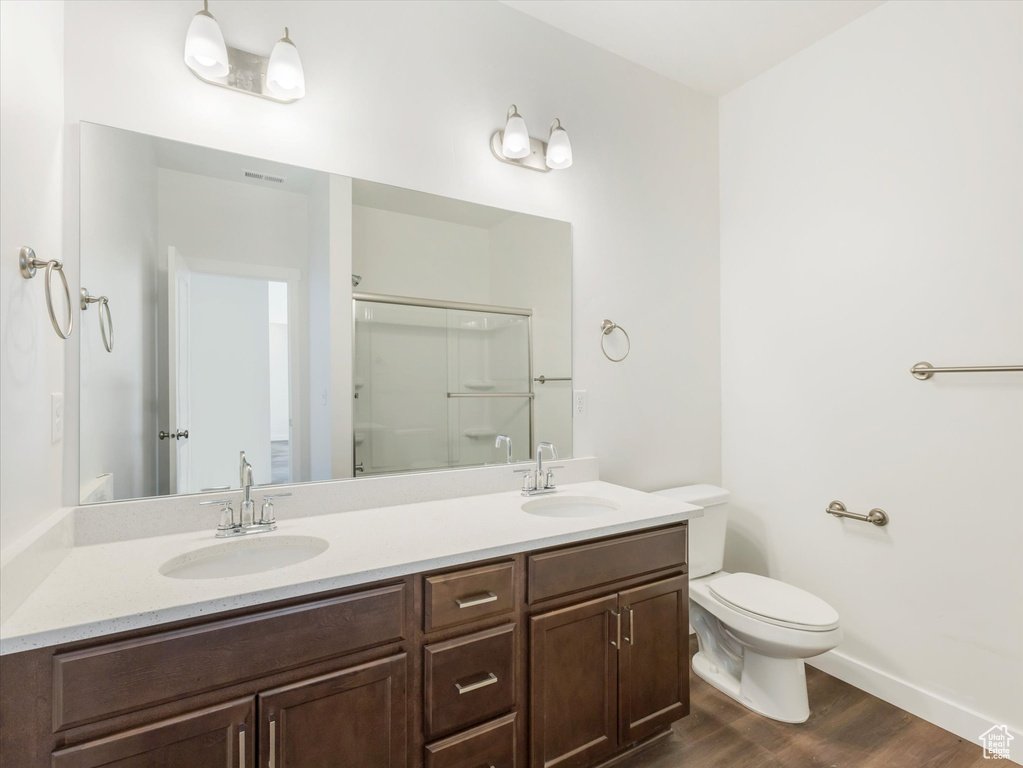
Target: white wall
(31,213)
(339,280)
(528,269)
(402,255)
(280,396)
(320,422)
(871,199)
(119,260)
(408,94)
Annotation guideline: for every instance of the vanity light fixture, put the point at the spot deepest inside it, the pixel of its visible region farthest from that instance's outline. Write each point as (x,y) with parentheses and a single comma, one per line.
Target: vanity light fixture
(284,75)
(515,146)
(515,138)
(559,148)
(205,49)
(278,78)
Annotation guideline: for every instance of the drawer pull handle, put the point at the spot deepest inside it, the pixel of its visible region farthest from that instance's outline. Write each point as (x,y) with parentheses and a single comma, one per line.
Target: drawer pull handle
(273,743)
(631,638)
(617,616)
(241,746)
(490,679)
(474,600)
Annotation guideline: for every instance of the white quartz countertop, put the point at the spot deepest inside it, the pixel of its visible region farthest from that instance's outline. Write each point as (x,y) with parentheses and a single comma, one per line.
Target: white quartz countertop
(106,588)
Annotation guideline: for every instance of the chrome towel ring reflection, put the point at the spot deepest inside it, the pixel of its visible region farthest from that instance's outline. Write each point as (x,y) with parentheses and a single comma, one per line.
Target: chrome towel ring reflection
(106,329)
(606,328)
(28,264)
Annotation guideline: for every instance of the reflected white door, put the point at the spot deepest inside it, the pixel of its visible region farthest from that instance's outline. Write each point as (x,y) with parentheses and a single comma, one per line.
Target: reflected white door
(178,325)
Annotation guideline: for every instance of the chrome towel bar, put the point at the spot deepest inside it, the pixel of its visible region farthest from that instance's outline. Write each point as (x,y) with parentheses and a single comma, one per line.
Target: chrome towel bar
(925,370)
(28,264)
(544,379)
(875,516)
(490,394)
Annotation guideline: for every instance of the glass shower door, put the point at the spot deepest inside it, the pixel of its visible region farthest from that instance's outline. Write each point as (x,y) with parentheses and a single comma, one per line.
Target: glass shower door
(435,385)
(489,382)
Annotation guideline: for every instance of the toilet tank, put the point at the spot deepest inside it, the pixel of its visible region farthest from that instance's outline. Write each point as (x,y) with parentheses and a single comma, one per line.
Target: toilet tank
(707,533)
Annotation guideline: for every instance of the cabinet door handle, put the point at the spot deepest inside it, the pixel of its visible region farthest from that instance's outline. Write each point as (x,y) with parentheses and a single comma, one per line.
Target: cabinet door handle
(490,679)
(631,637)
(617,616)
(273,743)
(241,746)
(474,600)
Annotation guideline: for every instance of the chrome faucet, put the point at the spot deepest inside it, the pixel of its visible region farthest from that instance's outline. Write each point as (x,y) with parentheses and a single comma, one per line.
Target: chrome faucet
(508,444)
(540,481)
(247,522)
(248,511)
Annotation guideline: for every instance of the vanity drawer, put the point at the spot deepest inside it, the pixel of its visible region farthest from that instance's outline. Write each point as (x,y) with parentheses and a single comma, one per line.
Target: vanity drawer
(564,571)
(464,596)
(468,679)
(133,674)
(490,744)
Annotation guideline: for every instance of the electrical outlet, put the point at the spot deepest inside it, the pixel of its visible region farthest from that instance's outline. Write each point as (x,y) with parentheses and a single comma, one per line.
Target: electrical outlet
(56,417)
(579,402)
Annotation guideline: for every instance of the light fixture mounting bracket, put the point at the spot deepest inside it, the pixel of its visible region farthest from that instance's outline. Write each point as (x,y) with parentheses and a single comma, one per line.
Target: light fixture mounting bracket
(247,74)
(536,160)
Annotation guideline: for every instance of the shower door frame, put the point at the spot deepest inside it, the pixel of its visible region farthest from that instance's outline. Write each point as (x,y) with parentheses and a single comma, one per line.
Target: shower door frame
(409,301)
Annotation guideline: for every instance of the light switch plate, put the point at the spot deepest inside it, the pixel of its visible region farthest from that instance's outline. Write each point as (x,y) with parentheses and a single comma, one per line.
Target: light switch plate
(56,417)
(579,402)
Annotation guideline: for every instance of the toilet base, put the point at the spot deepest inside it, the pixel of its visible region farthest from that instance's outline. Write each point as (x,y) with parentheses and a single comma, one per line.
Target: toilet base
(774,688)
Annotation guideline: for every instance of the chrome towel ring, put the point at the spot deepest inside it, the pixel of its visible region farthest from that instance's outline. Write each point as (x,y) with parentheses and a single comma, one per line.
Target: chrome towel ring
(28,264)
(106,329)
(606,328)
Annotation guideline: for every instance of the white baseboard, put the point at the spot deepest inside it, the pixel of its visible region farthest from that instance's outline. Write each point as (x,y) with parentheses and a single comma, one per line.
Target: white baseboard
(963,722)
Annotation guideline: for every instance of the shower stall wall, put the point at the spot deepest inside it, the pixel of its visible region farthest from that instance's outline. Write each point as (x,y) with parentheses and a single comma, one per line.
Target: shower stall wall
(436,382)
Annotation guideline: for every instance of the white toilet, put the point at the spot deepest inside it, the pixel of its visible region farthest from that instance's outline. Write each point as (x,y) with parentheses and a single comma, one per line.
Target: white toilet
(753,632)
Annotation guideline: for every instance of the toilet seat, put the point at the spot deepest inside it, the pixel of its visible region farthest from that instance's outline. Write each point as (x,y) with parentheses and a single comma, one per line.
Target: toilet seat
(774,602)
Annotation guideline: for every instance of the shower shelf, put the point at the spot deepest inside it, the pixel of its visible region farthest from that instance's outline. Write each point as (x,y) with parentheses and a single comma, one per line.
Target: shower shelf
(480,385)
(480,433)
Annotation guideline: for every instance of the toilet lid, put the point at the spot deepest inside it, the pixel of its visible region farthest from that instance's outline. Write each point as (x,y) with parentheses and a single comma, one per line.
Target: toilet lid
(774,601)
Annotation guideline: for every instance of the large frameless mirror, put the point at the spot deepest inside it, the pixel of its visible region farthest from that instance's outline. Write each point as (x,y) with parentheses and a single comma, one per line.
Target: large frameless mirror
(328,327)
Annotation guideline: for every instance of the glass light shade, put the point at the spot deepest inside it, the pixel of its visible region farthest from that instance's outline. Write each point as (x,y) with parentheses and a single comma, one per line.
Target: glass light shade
(205,50)
(559,149)
(515,139)
(284,74)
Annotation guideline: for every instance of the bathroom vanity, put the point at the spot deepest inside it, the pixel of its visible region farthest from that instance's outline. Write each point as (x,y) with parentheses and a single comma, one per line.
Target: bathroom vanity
(561,655)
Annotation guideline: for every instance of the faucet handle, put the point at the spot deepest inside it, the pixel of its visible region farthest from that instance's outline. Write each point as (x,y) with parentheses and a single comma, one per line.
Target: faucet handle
(226,512)
(266,515)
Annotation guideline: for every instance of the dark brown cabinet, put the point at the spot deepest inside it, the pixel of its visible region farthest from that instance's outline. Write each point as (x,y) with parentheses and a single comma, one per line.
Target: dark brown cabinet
(559,658)
(208,738)
(354,717)
(653,662)
(607,673)
(573,692)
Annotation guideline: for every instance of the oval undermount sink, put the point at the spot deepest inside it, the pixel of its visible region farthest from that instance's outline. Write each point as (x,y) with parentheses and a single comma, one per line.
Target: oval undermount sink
(244,557)
(570,506)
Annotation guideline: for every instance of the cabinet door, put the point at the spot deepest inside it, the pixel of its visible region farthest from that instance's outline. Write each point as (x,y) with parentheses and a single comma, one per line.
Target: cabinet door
(208,738)
(654,660)
(354,717)
(573,689)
